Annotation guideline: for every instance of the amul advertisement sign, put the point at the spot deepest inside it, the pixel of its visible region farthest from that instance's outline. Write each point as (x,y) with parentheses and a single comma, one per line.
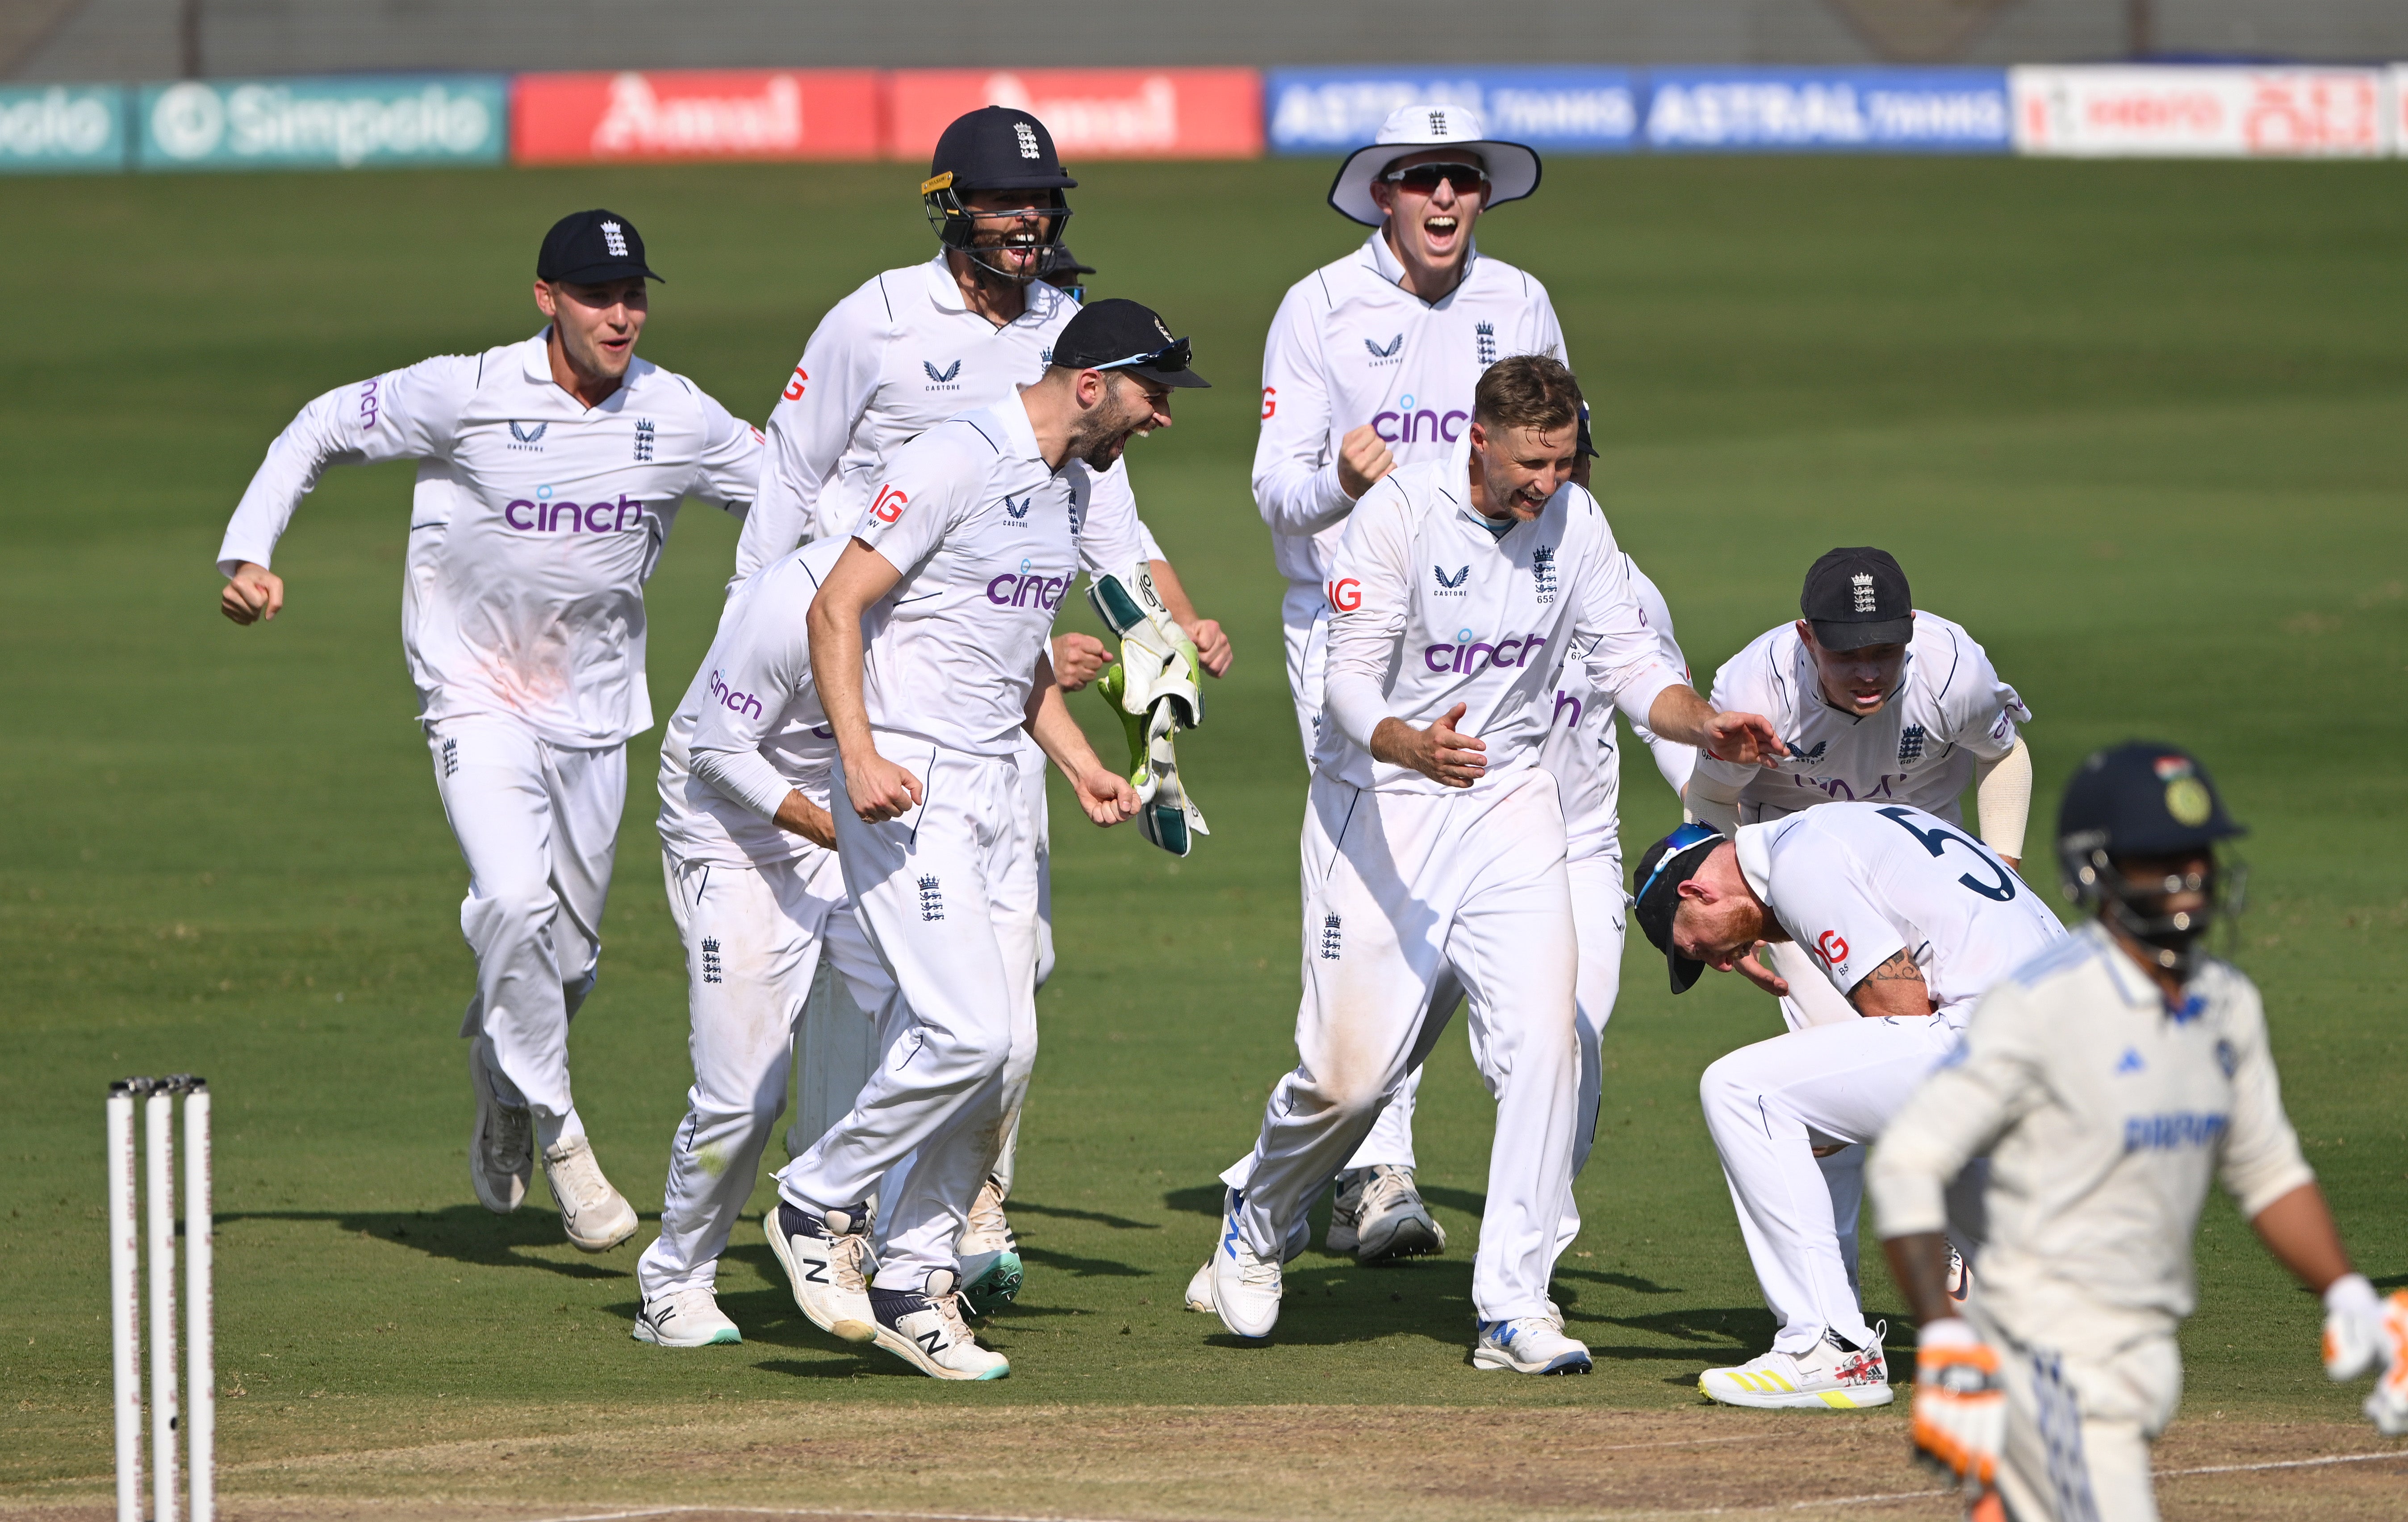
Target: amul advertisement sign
(1092,113)
(696,114)
(379,122)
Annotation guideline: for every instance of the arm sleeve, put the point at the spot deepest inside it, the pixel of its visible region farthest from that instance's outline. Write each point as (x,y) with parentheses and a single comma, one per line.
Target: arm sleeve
(1991,1081)
(1152,549)
(812,425)
(1730,696)
(404,415)
(1710,800)
(1984,711)
(1840,929)
(729,471)
(1674,761)
(1548,335)
(1362,640)
(1111,539)
(1295,477)
(2261,1161)
(767,655)
(2002,799)
(926,487)
(1624,658)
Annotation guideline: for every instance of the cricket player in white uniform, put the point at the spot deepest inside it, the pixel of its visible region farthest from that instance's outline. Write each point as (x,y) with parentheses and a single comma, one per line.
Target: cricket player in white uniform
(549,472)
(928,649)
(1369,364)
(1434,843)
(749,853)
(1912,921)
(2107,1079)
(1878,701)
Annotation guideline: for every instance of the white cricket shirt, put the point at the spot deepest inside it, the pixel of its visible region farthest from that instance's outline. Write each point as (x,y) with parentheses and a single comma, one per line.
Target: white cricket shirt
(1351,345)
(1854,883)
(889,361)
(535,523)
(1581,748)
(986,535)
(2105,1115)
(1431,608)
(1950,711)
(750,728)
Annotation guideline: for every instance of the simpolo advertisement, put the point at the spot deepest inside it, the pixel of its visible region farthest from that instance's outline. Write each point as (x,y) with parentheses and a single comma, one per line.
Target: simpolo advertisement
(323,123)
(60,129)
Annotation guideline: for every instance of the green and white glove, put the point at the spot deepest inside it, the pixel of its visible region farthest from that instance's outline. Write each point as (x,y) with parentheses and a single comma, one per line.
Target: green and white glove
(1156,689)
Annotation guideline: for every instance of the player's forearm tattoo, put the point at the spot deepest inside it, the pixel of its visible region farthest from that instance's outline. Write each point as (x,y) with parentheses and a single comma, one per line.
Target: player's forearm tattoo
(1901,968)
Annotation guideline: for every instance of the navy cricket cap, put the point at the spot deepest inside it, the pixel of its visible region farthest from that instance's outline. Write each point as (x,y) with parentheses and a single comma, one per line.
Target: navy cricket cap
(1655,893)
(2143,799)
(1122,335)
(592,247)
(996,148)
(1857,598)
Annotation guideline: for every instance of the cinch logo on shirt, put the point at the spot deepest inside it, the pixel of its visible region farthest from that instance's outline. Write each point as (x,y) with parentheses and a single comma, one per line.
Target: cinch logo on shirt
(2172,1131)
(1469,654)
(1407,426)
(548,517)
(368,403)
(1025,588)
(733,702)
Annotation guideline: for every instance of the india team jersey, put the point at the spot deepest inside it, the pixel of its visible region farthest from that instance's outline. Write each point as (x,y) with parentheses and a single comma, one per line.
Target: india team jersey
(1951,710)
(534,524)
(1855,883)
(986,535)
(1581,748)
(754,707)
(1352,346)
(2105,1115)
(889,361)
(1430,607)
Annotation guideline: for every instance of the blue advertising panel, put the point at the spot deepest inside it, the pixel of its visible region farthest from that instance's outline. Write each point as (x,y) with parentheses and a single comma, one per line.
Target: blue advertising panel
(353,123)
(1559,110)
(1881,111)
(61,129)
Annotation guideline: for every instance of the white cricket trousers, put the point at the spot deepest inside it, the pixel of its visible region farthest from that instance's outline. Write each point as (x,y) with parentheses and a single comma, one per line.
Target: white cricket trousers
(754,939)
(1812,1001)
(1304,617)
(1767,1106)
(1406,890)
(538,824)
(947,895)
(2079,1428)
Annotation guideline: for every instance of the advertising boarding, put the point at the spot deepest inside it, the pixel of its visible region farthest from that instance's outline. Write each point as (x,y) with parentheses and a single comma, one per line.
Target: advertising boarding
(1557,110)
(2200,112)
(1092,113)
(354,123)
(665,114)
(61,129)
(1885,110)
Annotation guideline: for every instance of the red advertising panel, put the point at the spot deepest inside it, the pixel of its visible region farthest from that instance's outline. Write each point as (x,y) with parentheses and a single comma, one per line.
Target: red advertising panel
(1092,113)
(696,114)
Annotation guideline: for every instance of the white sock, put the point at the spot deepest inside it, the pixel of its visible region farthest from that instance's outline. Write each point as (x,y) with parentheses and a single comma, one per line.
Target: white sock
(551,1130)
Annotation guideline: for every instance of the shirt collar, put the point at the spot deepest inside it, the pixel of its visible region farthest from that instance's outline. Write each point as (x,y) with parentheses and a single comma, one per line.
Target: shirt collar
(1385,262)
(535,357)
(535,362)
(2138,988)
(1021,434)
(1754,843)
(945,291)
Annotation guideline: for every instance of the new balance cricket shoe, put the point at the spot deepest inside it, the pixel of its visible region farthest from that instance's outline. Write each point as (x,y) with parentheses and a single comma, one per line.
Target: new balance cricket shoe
(826,1259)
(1245,1289)
(924,1328)
(685,1319)
(1530,1345)
(1831,1374)
(501,1143)
(1199,1288)
(991,1267)
(1378,1214)
(595,1216)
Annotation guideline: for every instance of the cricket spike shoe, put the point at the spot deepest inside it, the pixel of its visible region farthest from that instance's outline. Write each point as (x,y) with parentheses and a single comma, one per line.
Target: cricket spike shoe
(1378,1214)
(501,1144)
(685,1319)
(1530,1345)
(991,1267)
(1831,1375)
(826,1259)
(924,1328)
(595,1216)
(1199,1288)
(1245,1289)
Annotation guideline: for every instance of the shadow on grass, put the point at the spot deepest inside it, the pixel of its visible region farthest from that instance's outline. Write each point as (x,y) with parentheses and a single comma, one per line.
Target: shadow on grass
(1118,1222)
(465,1234)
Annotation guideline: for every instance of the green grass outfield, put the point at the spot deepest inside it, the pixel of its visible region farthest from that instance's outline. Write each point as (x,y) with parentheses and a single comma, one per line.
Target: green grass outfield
(2144,428)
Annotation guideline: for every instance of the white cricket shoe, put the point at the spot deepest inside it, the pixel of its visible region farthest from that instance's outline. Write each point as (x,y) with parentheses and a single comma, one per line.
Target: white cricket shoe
(501,1143)
(597,1216)
(1245,1289)
(1199,1288)
(685,1318)
(991,1265)
(1530,1345)
(1831,1373)
(827,1267)
(1378,1214)
(1960,1277)
(924,1328)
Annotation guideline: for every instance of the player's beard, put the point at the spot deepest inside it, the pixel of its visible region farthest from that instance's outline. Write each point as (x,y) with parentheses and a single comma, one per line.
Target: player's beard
(1098,440)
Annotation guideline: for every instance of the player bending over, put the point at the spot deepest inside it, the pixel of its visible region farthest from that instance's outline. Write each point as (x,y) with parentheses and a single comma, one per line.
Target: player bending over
(2107,1078)
(1434,848)
(549,474)
(1909,920)
(928,649)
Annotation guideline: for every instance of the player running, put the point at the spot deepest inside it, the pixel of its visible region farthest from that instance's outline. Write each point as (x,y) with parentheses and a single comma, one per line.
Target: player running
(1911,921)
(928,650)
(1369,364)
(2106,1078)
(549,474)
(1434,849)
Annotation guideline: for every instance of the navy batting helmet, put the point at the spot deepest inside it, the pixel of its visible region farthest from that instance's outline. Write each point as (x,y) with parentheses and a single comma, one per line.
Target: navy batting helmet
(2141,799)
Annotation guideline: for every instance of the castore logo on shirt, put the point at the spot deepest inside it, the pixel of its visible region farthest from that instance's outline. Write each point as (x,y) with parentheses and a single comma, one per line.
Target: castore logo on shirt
(528,438)
(1391,352)
(1018,511)
(1450,584)
(1468,655)
(942,379)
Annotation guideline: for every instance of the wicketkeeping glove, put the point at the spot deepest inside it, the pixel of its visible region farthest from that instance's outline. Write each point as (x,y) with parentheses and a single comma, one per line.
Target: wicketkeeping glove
(2362,1332)
(1960,1406)
(1156,689)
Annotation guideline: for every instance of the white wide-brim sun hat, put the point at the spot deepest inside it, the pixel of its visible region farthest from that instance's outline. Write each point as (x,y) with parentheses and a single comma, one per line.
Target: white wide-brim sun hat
(1513,167)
